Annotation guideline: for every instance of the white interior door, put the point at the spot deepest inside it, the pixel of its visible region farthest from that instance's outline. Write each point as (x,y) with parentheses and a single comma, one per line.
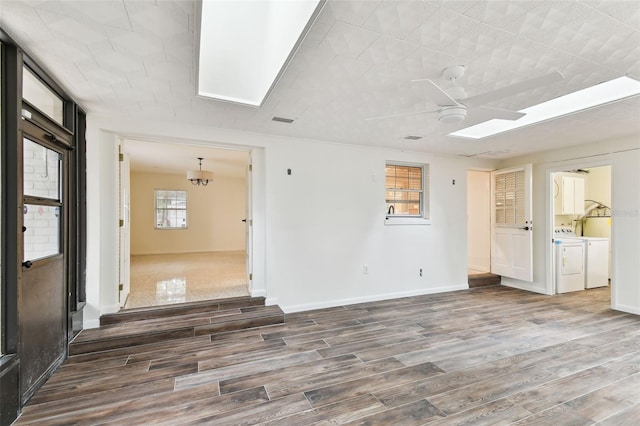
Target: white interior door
(249,227)
(125,230)
(511,224)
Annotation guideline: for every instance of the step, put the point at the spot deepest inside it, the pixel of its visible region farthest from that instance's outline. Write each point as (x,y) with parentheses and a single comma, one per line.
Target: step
(155,330)
(484,280)
(135,314)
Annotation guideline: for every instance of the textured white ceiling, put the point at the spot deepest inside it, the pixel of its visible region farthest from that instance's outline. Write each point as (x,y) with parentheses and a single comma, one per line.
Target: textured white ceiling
(176,158)
(137,57)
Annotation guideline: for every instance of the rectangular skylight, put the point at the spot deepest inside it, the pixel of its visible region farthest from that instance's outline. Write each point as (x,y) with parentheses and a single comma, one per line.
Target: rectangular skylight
(600,94)
(245,45)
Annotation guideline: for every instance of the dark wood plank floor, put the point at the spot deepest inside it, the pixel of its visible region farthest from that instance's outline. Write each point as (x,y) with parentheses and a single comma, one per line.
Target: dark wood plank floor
(489,355)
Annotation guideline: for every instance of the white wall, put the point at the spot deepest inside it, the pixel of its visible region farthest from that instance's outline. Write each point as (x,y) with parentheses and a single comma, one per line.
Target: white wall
(624,157)
(214,215)
(102,232)
(315,229)
(598,185)
(326,221)
(479,220)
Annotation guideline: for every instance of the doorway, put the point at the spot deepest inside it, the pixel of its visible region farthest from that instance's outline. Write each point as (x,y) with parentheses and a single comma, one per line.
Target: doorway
(478,222)
(581,228)
(42,304)
(186,242)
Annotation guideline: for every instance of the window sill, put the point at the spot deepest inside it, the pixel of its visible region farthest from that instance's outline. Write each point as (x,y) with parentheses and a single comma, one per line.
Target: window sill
(406,221)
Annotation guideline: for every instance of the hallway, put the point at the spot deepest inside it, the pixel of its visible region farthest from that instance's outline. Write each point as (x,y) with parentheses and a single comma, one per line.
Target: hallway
(188,277)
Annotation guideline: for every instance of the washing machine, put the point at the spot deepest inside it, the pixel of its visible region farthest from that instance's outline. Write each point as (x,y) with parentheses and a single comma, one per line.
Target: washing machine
(597,262)
(570,264)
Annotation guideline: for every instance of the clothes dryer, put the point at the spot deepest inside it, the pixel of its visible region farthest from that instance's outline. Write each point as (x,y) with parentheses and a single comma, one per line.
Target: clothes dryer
(570,264)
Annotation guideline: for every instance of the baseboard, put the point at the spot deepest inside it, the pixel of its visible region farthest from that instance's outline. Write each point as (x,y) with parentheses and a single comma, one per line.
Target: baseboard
(270,301)
(520,286)
(258,293)
(626,308)
(95,322)
(109,309)
(374,298)
(90,323)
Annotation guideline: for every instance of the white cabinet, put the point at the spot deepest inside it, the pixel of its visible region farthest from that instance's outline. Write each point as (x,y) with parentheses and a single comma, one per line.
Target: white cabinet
(570,196)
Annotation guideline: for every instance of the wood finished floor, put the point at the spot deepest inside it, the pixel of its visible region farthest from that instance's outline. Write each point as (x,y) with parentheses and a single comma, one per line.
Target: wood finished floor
(489,355)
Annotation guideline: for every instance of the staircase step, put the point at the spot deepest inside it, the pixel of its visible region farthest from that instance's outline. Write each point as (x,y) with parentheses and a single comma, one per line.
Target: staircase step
(484,280)
(154,330)
(135,314)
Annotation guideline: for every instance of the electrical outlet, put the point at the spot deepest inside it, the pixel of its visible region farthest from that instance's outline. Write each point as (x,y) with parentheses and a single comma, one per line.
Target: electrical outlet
(420,271)
(365,269)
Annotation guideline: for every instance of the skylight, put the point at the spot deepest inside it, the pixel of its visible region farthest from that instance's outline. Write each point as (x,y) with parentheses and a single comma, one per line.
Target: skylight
(245,46)
(600,94)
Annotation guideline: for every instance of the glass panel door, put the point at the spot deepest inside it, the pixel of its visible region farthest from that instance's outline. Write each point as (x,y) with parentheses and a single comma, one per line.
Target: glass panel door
(42,290)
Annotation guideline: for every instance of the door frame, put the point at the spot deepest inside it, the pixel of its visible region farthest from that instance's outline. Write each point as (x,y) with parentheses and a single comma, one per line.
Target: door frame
(248,221)
(124,229)
(550,216)
(249,196)
(71,131)
(41,131)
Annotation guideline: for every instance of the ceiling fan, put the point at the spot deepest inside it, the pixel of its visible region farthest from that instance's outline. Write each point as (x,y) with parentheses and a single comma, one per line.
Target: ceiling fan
(453,104)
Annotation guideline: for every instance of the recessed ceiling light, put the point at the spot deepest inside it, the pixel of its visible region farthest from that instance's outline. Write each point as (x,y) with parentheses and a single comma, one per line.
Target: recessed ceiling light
(600,94)
(246,45)
(413,138)
(283,120)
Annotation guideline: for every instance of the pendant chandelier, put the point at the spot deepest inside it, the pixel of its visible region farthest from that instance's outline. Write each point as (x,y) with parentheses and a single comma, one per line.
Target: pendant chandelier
(200,177)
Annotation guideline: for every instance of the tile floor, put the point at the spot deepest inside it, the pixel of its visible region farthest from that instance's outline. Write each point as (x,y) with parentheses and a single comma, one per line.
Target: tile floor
(485,356)
(177,278)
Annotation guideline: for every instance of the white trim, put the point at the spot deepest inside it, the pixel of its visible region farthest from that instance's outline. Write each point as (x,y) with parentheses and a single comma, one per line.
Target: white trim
(259,293)
(270,301)
(600,160)
(375,298)
(109,309)
(406,221)
(517,284)
(627,308)
(90,323)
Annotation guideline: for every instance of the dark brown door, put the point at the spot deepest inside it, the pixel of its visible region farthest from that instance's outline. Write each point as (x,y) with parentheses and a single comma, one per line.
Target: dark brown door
(42,307)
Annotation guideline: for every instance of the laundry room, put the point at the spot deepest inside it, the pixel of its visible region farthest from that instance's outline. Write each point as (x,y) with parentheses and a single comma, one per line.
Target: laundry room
(582,228)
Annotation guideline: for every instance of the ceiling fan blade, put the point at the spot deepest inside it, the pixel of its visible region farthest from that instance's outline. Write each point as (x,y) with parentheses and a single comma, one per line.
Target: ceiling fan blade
(513,89)
(482,114)
(439,96)
(403,114)
(503,114)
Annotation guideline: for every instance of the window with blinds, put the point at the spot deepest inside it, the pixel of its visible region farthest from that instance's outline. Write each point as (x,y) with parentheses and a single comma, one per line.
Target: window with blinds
(510,198)
(406,190)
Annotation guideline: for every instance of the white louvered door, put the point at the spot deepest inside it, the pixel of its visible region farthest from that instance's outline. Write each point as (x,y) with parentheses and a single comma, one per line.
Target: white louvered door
(511,225)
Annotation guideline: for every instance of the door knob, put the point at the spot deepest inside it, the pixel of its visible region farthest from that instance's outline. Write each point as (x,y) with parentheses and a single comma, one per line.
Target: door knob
(526,228)
(24,228)
(244,220)
(27,264)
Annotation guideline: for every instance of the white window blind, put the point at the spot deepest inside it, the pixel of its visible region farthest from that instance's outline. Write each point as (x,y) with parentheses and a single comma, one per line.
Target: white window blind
(510,198)
(407,190)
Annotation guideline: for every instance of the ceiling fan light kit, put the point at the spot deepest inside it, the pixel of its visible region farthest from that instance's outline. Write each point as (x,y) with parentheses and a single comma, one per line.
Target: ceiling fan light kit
(453,103)
(453,114)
